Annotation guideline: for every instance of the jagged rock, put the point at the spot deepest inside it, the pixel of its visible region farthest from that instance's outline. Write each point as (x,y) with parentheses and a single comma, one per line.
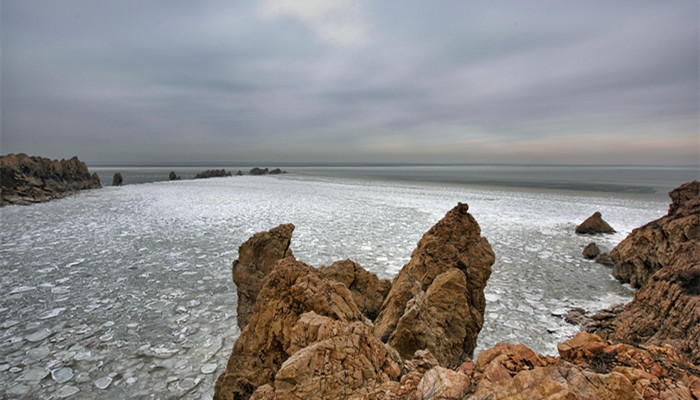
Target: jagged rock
(117,179)
(593,225)
(446,318)
(26,180)
(239,173)
(605,259)
(304,334)
(258,171)
(666,310)
(256,258)
(649,248)
(213,173)
(173,177)
(367,290)
(591,251)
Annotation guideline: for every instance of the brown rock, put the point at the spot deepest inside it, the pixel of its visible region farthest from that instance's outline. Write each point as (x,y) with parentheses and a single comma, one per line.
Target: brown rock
(275,171)
(649,248)
(453,247)
(213,173)
(258,171)
(256,258)
(367,290)
(605,259)
(593,225)
(26,180)
(591,251)
(117,179)
(443,384)
(172,176)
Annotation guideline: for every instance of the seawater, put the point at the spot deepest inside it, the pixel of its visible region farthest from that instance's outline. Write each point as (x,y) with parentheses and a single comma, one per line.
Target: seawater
(126,292)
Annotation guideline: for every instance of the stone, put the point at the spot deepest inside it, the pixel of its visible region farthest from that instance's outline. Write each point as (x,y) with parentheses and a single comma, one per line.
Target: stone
(594,225)
(256,258)
(443,383)
(103,383)
(38,336)
(208,368)
(275,171)
(258,171)
(213,173)
(27,180)
(367,290)
(172,176)
(62,375)
(117,179)
(591,251)
(650,247)
(605,259)
(413,316)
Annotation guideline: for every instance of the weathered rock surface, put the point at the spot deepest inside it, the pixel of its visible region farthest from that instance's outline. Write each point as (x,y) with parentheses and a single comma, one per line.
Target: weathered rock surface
(172,176)
(256,258)
(26,180)
(117,179)
(213,173)
(368,291)
(591,251)
(437,299)
(649,248)
(306,339)
(605,259)
(594,225)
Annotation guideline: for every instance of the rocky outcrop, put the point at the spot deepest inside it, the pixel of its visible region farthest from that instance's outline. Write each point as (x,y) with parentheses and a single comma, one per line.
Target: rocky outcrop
(258,171)
(213,173)
(437,299)
(306,339)
(239,173)
(172,176)
(256,258)
(591,251)
(26,180)
(368,291)
(117,179)
(605,259)
(594,225)
(649,248)
(275,171)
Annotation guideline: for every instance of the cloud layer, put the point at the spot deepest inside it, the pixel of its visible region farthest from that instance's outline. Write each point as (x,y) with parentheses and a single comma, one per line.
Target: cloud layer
(352,81)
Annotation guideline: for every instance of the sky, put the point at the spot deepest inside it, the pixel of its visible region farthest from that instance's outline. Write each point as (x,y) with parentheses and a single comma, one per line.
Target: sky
(385,81)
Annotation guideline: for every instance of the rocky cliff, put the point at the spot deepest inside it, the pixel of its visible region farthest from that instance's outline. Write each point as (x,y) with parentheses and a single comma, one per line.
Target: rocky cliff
(26,180)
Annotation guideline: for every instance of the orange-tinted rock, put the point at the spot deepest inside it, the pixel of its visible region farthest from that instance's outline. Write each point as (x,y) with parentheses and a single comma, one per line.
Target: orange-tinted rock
(367,290)
(594,224)
(651,247)
(453,246)
(256,258)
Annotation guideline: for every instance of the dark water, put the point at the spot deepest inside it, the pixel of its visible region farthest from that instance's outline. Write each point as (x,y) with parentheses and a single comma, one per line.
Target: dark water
(611,179)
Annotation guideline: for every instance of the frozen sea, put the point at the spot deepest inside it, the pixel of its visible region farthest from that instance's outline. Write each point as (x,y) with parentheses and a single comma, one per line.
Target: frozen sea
(126,292)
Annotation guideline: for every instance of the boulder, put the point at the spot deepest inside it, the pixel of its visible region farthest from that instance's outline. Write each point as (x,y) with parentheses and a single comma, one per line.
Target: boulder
(650,247)
(594,225)
(258,171)
(173,177)
(239,173)
(213,173)
(27,180)
(605,259)
(275,171)
(445,319)
(117,179)
(367,290)
(591,251)
(256,258)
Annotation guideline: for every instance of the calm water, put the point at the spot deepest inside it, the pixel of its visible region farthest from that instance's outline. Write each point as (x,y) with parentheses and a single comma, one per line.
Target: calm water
(126,292)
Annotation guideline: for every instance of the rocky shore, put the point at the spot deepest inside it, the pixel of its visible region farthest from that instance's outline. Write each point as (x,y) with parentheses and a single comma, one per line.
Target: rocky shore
(321,333)
(27,180)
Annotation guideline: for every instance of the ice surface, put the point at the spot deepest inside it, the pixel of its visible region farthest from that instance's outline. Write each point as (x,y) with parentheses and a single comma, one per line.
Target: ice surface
(133,283)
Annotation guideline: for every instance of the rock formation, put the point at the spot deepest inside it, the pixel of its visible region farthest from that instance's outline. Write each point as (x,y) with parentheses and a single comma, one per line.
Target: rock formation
(437,299)
(173,177)
(213,173)
(256,258)
(258,171)
(605,259)
(26,180)
(239,173)
(368,291)
(653,245)
(275,171)
(593,225)
(591,251)
(117,179)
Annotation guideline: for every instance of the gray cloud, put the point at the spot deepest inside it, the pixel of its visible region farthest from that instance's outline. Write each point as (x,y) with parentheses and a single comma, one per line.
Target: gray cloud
(351,81)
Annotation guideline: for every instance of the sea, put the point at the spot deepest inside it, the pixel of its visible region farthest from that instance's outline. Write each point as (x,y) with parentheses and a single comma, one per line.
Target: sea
(126,292)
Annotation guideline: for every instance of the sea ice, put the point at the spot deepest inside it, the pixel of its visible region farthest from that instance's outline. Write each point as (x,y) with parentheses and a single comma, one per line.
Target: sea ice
(38,336)
(62,375)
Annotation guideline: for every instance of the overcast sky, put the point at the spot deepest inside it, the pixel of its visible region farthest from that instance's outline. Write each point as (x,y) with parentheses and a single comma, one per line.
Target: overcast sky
(559,81)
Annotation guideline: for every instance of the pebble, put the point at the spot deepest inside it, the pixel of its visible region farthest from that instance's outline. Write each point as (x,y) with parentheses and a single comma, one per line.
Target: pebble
(103,383)
(208,368)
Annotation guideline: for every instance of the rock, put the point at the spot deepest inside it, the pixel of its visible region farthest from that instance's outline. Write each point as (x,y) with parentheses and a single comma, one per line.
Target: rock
(443,383)
(117,179)
(26,180)
(213,173)
(605,259)
(650,247)
(367,290)
(258,171)
(275,171)
(593,225)
(591,251)
(445,319)
(256,258)
(576,316)
(239,173)
(277,332)
(173,177)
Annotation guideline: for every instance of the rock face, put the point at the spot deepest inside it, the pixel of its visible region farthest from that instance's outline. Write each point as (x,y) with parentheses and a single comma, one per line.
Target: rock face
(172,176)
(213,173)
(593,225)
(256,258)
(368,291)
(437,299)
(306,339)
(591,251)
(117,179)
(649,248)
(26,180)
